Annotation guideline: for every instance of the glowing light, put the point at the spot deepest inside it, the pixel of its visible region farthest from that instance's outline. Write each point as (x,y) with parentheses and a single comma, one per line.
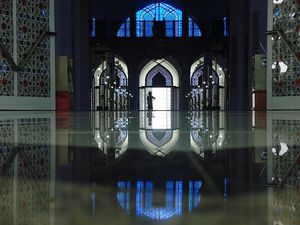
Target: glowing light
(278,2)
(283,149)
(159,12)
(283,67)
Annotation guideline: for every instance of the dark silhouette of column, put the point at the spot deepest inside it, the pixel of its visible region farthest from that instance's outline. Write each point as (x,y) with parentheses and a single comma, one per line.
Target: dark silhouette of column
(133,20)
(110,73)
(239,87)
(81,53)
(185,20)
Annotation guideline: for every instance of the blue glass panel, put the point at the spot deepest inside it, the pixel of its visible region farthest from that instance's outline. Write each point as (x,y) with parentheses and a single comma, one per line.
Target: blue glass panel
(226,184)
(93,30)
(161,12)
(194,30)
(124,30)
(226,33)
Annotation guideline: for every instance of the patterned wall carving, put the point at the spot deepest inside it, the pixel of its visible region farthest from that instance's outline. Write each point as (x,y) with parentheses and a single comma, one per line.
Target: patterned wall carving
(6,180)
(286,69)
(285,206)
(34,138)
(33,170)
(286,132)
(6,38)
(32,19)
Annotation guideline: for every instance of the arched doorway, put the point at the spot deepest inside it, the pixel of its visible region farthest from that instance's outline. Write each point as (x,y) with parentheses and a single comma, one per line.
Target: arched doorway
(103,83)
(162,79)
(201,86)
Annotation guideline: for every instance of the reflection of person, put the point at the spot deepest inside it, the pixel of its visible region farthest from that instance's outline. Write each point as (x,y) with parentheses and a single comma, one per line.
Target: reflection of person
(150,99)
(149,117)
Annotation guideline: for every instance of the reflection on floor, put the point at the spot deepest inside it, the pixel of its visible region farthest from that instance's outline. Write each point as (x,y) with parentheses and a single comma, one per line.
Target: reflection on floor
(149,167)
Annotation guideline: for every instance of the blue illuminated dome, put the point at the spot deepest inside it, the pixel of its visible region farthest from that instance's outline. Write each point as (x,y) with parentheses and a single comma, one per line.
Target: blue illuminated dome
(160,11)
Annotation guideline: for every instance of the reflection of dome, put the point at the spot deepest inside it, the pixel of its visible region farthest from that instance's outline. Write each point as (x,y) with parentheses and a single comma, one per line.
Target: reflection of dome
(173,199)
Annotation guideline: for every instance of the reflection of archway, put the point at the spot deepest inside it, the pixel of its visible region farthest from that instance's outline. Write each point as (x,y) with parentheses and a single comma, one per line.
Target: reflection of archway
(104,123)
(162,79)
(159,131)
(207,132)
(103,82)
(201,85)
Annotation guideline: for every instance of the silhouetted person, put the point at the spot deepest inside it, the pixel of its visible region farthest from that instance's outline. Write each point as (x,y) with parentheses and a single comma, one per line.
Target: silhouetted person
(150,99)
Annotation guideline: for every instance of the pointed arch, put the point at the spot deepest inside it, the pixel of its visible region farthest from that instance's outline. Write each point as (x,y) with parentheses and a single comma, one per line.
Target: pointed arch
(155,66)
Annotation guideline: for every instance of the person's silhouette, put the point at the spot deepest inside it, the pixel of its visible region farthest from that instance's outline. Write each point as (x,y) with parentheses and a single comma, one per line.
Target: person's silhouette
(150,99)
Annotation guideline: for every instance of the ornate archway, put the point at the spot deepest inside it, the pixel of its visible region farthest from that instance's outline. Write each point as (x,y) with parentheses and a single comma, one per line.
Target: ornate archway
(206,85)
(162,79)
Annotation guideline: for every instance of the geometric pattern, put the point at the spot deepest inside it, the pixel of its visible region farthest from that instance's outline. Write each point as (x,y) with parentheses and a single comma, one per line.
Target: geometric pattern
(33,171)
(159,69)
(159,142)
(159,12)
(34,138)
(32,20)
(288,132)
(6,182)
(285,206)
(6,38)
(286,18)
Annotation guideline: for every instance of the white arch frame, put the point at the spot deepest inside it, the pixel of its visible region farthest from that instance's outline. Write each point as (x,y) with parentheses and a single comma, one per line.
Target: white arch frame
(147,68)
(102,67)
(219,70)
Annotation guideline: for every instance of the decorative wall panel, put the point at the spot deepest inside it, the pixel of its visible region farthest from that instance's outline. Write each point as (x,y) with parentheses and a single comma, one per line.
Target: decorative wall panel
(286,143)
(286,69)
(6,39)
(285,206)
(33,187)
(6,181)
(32,20)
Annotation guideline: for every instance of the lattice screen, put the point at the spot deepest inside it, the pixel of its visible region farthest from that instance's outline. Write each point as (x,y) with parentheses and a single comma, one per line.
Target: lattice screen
(287,132)
(33,170)
(20,28)
(6,38)
(286,69)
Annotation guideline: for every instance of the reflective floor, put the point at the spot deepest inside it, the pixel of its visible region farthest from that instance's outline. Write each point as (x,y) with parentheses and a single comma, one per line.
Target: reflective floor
(149,168)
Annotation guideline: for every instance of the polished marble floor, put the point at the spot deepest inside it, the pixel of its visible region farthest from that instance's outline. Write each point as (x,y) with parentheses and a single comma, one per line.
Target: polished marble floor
(150,168)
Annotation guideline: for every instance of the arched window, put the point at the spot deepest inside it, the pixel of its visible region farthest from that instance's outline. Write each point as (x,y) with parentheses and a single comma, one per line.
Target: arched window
(147,17)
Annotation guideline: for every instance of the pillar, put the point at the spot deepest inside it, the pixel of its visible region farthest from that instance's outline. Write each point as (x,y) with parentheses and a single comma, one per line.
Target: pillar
(81,52)
(239,87)
(110,74)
